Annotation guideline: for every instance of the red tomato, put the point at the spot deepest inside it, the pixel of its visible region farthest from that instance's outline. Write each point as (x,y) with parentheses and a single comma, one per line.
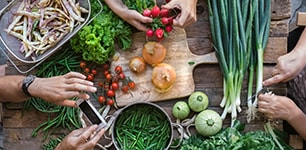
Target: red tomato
(82,64)
(131,84)
(101,99)
(105,66)
(124,88)
(100,84)
(118,69)
(146,12)
(150,33)
(115,86)
(108,77)
(121,75)
(155,11)
(94,71)
(90,77)
(87,70)
(110,93)
(110,102)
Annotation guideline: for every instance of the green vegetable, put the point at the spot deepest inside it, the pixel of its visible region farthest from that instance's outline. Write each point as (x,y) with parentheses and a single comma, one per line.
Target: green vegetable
(198,101)
(208,122)
(232,138)
(96,41)
(180,110)
(142,126)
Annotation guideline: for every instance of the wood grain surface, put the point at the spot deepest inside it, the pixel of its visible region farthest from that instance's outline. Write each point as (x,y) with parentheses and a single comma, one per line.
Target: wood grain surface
(178,55)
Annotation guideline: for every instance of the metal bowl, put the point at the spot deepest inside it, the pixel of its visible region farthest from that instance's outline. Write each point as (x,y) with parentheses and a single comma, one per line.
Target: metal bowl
(13,44)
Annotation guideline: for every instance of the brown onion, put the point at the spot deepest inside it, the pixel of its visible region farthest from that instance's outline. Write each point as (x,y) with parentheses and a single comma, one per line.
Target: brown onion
(137,64)
(163,77)
(153,53)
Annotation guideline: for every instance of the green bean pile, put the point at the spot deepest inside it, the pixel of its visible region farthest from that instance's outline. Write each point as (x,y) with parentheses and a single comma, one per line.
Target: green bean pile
(60,117)
(142,127)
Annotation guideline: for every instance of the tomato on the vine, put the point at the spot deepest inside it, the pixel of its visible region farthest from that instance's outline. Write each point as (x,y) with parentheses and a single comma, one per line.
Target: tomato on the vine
(110,93)
(110,102)
(105,66)
(87,70)
(115,86)
(131,84)
(118,69)
(100,84)
(90,77)
(121,75)
(108,77)
(101,99)
(82,64)
(124,88)
(94,71)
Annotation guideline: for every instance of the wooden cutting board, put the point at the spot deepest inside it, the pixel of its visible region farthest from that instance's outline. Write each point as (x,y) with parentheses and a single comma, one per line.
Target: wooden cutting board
(178,55)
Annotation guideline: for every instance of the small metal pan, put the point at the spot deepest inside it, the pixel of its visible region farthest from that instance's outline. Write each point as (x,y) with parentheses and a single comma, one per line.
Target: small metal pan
(12,44)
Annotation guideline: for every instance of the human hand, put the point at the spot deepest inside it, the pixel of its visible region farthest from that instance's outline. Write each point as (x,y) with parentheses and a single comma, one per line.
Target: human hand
(81,139)
(136,19)
(288,67)
(276,107)
(188,13)
(59,89)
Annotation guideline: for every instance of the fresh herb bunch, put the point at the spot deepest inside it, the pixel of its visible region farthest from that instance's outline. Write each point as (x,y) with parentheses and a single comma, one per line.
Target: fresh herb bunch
(97,40)
(234,138)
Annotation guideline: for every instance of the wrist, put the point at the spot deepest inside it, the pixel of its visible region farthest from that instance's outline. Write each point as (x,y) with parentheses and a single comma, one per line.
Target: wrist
(296,115)
(26,83)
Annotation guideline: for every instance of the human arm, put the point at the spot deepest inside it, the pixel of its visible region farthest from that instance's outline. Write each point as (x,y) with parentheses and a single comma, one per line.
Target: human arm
(281,107)
(188,13)
(56,89)
(81,139)
(289,65)
(133,17)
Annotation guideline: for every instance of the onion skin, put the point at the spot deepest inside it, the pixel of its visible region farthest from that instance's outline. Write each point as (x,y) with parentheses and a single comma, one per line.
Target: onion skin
(137,64)
(153,53)
(163,77)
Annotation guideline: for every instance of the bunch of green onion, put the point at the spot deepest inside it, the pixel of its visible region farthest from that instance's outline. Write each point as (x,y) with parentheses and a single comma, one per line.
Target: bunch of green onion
(240,29)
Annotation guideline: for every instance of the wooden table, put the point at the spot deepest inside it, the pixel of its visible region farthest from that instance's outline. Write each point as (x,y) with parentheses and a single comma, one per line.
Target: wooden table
(208,78)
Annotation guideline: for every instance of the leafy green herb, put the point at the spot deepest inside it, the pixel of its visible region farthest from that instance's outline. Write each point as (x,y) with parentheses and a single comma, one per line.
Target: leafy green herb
(96,41)
(234,139)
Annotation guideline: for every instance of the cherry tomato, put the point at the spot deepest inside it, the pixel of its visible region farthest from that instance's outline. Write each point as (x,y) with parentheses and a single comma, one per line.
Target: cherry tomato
(108,77)
(82,64)
(101,99)
(87,70)
(110,102)
(94,71)
(118,69)
(106,87)
(90,77)
(131,84)
(121,75)
(124,88)
(105,66)
(115,86)
(105,72)
(100,84)
(110,93)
